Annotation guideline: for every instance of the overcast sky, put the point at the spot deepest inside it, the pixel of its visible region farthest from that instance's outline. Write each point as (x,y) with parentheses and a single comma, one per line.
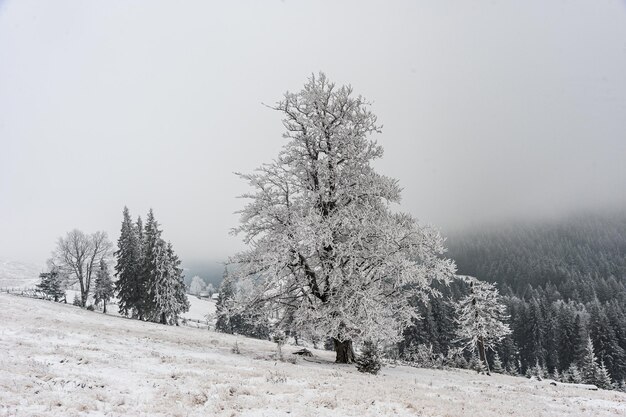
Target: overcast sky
(491,109)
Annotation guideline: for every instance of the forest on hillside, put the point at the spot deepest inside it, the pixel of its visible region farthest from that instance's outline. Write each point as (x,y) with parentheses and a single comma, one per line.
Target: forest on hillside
(563,282)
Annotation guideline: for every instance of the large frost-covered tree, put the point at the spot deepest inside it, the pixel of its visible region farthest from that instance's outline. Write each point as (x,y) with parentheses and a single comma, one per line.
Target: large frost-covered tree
(323,241)
(78,255)
(481,318)
(129,287)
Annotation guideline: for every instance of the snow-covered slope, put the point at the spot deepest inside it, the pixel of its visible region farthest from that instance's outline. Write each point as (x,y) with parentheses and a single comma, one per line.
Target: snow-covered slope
(61,360)
(199,308)
(18,274)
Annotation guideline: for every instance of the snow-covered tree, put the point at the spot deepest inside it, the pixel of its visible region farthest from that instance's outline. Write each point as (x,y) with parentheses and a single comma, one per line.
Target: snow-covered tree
(224,304)
(369,360)
(104,286)
(481,318)
(163,278)
(572,374)
(322,237)
(592,373)
(197,285)
(78,254)
(130,287)
(182,302)
(497,364)
(210,289)
(604,379)
(51,284)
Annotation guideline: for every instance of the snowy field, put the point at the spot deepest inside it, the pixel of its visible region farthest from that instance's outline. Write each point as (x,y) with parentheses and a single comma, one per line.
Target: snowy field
(199,308)
(15,274)
(59,360)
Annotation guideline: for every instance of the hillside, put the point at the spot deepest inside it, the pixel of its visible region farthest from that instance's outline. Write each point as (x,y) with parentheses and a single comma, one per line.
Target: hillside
(561,253)
(563,281)
(61,360)
(15,274)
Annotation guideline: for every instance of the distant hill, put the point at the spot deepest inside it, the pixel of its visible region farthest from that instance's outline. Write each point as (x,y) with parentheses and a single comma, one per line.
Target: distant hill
(578,248)
(15,274)
(562,281)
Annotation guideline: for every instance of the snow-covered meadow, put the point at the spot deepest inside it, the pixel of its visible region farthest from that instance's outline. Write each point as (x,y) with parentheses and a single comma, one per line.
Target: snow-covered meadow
(14,274)
(62,360)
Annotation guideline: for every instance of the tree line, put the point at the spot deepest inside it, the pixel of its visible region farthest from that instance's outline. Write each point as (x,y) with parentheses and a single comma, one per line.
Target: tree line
(150,282)
(564,284)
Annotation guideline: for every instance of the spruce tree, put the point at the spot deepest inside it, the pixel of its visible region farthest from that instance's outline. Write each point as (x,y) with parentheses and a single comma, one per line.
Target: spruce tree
(129,287)
(369,360)
(604,379)
(104,286)
(232,320)
(224,304)
(163,278)
(480,318)
(572,374)
(180,291)
(51,285)
(497,364)
(605,341)
(139,229)
(589,366)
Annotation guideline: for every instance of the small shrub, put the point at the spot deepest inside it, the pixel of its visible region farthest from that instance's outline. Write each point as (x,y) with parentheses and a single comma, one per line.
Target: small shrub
(369,360)
(77,301)
(279,338)
(276,377)
(90,307)
(235,348)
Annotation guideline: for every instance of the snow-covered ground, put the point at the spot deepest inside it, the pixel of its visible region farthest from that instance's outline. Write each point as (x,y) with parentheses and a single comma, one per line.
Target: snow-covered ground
(61,360)
(199,308)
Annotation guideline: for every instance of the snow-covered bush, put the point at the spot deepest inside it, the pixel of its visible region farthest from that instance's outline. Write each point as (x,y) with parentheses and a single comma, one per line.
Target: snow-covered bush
(369,360)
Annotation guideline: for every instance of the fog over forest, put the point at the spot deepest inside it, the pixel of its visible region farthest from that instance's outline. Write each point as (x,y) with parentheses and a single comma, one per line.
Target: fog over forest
(491,112)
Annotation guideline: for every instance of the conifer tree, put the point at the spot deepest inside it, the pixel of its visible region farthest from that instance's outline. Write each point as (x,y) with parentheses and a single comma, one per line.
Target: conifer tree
(162,276)
(139,229)
(605,341)
(590,370)
(572,374)
(180,291)
(512,369)
(480,317)
(604,379)
(129,287)
(104,285)
(497,364)
(51,285)
(369,360)
(223,305)
(231,319)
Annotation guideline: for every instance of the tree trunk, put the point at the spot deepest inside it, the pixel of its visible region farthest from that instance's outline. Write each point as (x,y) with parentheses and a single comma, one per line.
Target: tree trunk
(105,306)
(345,352)
(163,318)
(481,352)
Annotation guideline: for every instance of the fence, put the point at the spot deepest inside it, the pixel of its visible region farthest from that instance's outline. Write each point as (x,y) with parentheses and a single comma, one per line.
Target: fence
(24,292)
(36,293)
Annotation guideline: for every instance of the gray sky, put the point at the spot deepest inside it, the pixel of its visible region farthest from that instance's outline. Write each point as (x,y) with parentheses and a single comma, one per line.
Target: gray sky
(491,109)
